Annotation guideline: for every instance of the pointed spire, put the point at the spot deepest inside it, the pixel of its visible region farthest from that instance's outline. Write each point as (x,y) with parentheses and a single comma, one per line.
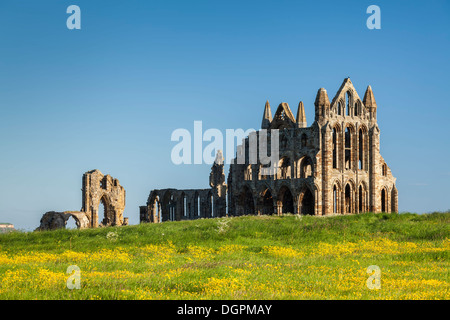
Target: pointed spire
(267,117)
(301,116)
(322,98)
(369,99)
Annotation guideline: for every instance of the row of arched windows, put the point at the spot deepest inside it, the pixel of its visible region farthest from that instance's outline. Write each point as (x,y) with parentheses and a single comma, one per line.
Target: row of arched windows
(350,150)
(350,201)
(303,168)
(281,202)
(166,210)
(357,201)
(347,107)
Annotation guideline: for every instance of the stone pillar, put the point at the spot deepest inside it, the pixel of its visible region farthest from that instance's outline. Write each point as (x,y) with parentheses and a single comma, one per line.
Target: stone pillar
(327,162)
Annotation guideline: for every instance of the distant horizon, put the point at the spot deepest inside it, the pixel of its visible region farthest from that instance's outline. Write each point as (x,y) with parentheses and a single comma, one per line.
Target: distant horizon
(109,95)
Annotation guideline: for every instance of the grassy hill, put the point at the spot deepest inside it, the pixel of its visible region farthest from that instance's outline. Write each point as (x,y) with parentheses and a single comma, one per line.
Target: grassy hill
(250,257)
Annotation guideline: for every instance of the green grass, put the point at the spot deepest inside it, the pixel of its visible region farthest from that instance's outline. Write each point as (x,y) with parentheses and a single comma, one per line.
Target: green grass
(276,258)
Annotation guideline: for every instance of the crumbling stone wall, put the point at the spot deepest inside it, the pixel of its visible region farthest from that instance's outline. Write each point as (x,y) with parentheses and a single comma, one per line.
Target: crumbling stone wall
(99,188)
(96,188)
(174,205)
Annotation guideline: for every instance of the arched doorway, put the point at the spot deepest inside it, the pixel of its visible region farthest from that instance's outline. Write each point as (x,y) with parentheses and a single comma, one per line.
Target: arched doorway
(267,202)
(246,203)
(383,200)
(348,202)
(362,200)
(284,168)
(71,223)
(108,214)
(286,200)
(307,202)
(336,198)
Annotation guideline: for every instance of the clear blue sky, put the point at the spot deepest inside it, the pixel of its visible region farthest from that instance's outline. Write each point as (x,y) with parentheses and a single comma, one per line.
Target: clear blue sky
(108,96)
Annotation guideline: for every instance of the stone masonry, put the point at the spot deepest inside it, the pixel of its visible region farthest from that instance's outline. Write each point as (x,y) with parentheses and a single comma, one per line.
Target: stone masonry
(332,167)
(96,189)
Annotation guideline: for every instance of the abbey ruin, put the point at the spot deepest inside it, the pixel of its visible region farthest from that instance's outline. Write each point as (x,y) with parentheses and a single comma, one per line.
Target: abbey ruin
(96,189)
(332,167)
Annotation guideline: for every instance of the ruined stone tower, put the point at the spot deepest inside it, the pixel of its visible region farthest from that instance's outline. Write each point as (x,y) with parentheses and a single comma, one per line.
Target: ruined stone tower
(332,167)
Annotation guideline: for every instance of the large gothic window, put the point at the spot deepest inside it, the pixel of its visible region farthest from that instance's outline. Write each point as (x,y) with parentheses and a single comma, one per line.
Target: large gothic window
(335,149)
(361,150)
(348,148)
(306,167)
(284,170)
(349,98)
(348,199)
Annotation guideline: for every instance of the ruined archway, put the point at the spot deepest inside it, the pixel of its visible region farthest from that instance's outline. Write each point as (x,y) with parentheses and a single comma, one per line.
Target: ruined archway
(98,191)
(337,197)
(99,188)
(286,200)
(348,198)
(267,205)
(306,200)
(246,205)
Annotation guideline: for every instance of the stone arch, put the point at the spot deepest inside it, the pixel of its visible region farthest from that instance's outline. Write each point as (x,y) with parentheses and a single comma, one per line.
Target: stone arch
(246,203)
(349,197)
(363,197)
(265,172)
(285,200)
(340,106)
(337,191)
(284,168)
(384,169)
(384,199)
(358,108)
(98,187)
(306,201)
(306,167)
(349,102)
(108,213)
(168,206)
(348,143)
(363,148)
(335,140)
(267,201)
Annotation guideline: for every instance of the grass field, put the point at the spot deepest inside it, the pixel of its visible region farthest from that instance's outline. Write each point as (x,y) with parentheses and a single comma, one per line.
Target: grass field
(250,257)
